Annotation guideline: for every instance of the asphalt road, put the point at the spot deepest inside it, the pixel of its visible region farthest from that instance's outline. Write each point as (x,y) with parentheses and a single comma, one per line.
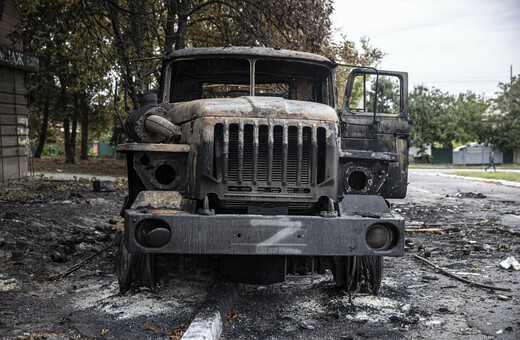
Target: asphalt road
(431,182)
(471,236)
(429,185)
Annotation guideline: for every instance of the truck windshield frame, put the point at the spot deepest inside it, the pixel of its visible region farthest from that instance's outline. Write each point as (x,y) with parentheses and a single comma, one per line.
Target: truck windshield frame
(200,77)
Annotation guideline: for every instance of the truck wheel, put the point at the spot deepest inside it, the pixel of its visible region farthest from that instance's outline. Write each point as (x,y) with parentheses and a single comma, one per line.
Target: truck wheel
(124,269)
(134,268)
(361,274)
(145,270)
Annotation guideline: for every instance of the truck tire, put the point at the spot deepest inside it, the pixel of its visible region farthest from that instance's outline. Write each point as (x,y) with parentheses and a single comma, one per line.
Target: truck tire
(124,269)
(135,269)
(361,274)
(144,272)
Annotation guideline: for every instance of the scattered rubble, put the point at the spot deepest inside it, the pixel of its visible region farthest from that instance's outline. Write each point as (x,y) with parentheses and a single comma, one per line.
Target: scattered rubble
(510,263)
(469,195)
(57,241)
(103,186)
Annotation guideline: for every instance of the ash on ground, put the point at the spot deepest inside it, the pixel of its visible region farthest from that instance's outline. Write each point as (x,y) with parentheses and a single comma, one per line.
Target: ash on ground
(58,243)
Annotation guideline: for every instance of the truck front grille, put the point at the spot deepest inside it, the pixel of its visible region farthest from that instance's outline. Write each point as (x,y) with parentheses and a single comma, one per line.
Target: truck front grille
(269,157)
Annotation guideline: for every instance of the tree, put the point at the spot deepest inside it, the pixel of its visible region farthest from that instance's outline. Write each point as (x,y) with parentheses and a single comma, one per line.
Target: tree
(42,87)
(346,52)
(388,92)
(503,130)
(136,29)
(438,117)
(71,71)
(82,44)
(127,30)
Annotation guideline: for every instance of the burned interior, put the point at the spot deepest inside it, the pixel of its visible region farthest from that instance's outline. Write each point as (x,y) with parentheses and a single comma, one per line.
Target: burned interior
(231,77)
(247,158)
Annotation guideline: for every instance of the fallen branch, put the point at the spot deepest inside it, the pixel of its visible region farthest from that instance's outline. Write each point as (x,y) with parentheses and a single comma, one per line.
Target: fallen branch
(82,263)
(474,284)
(415,230)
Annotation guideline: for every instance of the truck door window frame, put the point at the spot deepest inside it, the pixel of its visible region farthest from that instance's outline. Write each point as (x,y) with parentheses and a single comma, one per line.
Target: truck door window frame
(403,112)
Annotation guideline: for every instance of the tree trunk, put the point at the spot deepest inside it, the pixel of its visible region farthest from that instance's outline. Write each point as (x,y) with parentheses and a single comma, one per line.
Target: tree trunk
(169,35)
(84,126)
(74,129)
(43,131)
(121,45)
(66,138)
(137,37)
(66,123)
(182,10)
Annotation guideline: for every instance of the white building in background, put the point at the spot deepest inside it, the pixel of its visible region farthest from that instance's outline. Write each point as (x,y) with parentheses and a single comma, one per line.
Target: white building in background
(476,154)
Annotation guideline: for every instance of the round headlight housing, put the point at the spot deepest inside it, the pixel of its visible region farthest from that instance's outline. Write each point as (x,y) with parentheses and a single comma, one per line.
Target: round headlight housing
(380,237)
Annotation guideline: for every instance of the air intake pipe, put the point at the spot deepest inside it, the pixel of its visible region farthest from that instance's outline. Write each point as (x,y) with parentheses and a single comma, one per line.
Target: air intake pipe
(149,125)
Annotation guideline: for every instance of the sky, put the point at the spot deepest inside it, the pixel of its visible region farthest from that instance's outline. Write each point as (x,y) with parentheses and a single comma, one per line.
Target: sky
(453,45)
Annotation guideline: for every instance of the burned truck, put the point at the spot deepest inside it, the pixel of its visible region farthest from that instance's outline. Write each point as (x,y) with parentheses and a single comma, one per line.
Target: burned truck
(246,158)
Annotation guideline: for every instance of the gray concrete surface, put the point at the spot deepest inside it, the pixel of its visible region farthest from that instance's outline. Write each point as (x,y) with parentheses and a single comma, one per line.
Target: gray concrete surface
(59,176)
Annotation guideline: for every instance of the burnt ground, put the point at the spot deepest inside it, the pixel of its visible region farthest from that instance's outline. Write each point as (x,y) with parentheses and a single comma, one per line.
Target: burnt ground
(47,229)
(57,274)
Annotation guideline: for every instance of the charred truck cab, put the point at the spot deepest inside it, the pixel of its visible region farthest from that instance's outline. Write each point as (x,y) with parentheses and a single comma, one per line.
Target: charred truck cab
(248,159)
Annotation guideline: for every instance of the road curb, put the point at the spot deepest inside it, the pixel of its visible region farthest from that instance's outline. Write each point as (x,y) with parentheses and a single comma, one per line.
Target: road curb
(207,324)
(71,177)
(487,180)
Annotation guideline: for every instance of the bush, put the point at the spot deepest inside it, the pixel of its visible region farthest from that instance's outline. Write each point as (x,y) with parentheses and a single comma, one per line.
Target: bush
(423,159)
(50,150)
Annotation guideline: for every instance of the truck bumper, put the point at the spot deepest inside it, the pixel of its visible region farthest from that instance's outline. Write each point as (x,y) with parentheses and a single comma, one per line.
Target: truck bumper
(261,235)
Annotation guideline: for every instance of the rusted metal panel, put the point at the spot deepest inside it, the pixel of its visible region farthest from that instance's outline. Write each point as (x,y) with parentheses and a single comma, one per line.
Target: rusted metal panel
(150,147)
(231,163)
(264,235)
(250,107)
(263,173)
(265,52)
(362,154)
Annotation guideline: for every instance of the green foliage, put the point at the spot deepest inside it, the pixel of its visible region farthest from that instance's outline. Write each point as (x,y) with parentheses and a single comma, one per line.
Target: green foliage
(503,129)
(346,52)
(91,152)
(72,72)
(363,90)
(438,117)
(51,150)
(388,96)
(84,44)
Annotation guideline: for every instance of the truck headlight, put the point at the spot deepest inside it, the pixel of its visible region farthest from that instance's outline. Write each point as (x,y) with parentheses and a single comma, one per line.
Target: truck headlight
(380,237)
(153,233)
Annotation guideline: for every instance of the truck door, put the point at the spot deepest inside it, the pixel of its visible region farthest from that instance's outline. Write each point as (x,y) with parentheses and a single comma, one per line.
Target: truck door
(374,133)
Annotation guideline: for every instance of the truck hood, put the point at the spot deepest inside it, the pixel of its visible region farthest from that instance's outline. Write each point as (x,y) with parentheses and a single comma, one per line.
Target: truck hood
(251,107)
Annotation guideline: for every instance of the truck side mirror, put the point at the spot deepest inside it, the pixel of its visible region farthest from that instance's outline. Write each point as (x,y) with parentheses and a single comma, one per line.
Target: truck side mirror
(384,91)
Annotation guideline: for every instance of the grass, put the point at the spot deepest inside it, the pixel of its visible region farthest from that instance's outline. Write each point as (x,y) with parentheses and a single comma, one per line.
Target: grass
(93,166)
(451,166)
(507,176)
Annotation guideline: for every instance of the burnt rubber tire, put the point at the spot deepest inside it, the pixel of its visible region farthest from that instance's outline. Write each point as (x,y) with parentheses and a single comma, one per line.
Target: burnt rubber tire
(144,271)
(361,274)
(135,269)
(124,269)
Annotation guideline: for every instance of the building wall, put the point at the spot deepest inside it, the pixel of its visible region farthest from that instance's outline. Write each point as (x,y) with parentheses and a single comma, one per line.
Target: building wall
(14,141)
(10,26)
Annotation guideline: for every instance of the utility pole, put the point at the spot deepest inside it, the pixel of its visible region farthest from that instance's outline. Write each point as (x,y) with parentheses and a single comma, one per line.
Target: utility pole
(511,74)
